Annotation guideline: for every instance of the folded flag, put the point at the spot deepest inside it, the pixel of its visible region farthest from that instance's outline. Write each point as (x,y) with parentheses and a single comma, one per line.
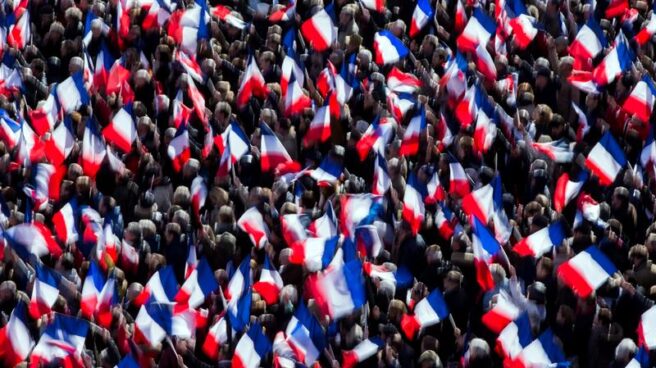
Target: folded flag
(16,342)
(401,82)
(388,273)
(583,124)
(647,329)
(251,348)
(429,311)
(587,271)
(329,171)
(198,195)
(319,31)
(361,352)
(62,343)
(606,159)
(388,48)
(501,314)
(485,248)
(253,224)
(541,241)
(305,335)
(270,283)
(641,100)
(45,291)
(314,254)
(559,151)
(197,286)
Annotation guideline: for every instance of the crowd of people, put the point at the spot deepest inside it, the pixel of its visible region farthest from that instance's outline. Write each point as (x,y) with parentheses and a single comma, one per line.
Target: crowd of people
(389,183)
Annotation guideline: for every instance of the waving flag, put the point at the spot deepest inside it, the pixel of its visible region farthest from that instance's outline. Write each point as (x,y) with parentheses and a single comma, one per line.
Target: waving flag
(399,277)
(251,348)
(502,314)
(641,100)
(479,203)
(156,321)
(46,115)
(375,5)
(567,189)
(401,82)
(388,48)
(197,286)
(179,150)
(485,248)
(273,153)
(252,84)
(270,283)
(588,209)
(541,241)
(72,93)
(62,343)
(319,130)
(328,172)
(559,151)
(190,65)
(583,125)
(239,292)
(616,8)
(122,130)
(647,32)
(45,291)
(314,254)
(253,224)
(411,137)
(295,99)
(478,31)
(421,16)
(339,290)
(305,335)
(587,271)
(228,16)
(161,288)
(64,223)
(542,352)
(514,338)
(216,336)
(361,352)
(293,228)
(319,31)
(10,129)
(93,149)
(97,294)
(290,68)
(606,159)
(20,32)
(234,137)
(485,131)
(376,136)
(484,63)
(382,180)
(16,342)
(32,238)
(429,311)
(647,329)
(467,109)
(326,225)
(398,104)
(616,62)
(413,202)
(458,180)
(368,241)
(589,42)
(284,14)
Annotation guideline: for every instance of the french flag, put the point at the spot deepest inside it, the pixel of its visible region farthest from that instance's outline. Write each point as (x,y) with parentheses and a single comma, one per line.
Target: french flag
(216,336)
(97,295)
(272,152)
(284,14)
(358,209)
(485,131)
(375,5)
(542,352)
(72,94)
(361,352)
(270,283)
(584,81)
(647,329)
(326,225)
(458,179)
(290,67)
(319,31)
(253,224)
(152,324)
(398,104)
(400,277)
(43,175)
(339,290)
(588,209)
(19,33)
(62,343)
(319,130)
(413,203)
(367,241)
(293,228)
(32,238)
(122,130)
(583,126)
(467,109)
(616,62)
(559,151)
(64,223)
(240,281)
(606,159)
(485,247)
(647,32)
(239,291)
(382,180)
(16,341)
(429,311)
(616,8)
(411,137)
(45,291)
(305,335)
(179,150)
(129,258)
(190,65)
(10,80)
(376,135)
(295,99)
(420,17)
(197,286)
(252,84)
(104,63)
(388,48)
(328,172)
(524,29)
(128,362)
(648,154)
(541,241)
(192,259)
(436,192)
(479,203)
(587,271)
(401,82)
(446,222)
(235,137)
(502,314)
(93,149)
(251,348)
(641,100)
(197,99)
(198,194)
(314,254)
(513,339)
(10,129)
(455,78)
(161,288)
(567,189)
(45,116)
(478,31)
(589,42)
(226,15)
(484,63)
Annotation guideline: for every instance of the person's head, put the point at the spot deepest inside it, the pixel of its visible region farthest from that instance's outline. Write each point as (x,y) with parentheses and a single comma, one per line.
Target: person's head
(544,269)
(638,255)
(498,273)
(625,351)
(452,281)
